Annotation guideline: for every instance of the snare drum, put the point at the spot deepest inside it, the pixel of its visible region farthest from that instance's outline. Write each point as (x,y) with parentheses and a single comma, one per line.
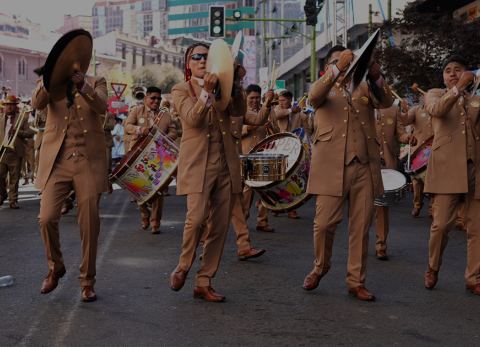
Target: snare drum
(419,160)
(263,167)
(394,186)
(148,167)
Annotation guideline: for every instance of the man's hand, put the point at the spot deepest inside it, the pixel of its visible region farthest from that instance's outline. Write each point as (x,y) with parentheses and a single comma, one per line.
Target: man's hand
(296,109)
(145,131)
(374,71)
(78,79)
(346,57)
(404,106)
(269,97)
(466,78)
(412,140)
(211,81)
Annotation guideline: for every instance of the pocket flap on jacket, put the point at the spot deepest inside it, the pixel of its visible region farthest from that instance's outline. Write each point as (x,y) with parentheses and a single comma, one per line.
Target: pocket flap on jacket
(321,132)
(441,141)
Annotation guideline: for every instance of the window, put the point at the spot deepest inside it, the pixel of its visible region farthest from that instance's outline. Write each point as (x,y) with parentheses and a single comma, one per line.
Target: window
(22,68)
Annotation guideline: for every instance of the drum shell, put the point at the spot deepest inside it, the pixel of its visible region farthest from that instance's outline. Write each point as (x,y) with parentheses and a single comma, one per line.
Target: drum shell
(392,195)
(263,167)
(148,167)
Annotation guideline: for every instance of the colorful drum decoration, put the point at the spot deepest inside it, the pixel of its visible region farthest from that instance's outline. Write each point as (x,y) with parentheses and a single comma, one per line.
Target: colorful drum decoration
(419,160)
(148,167)
(286,195)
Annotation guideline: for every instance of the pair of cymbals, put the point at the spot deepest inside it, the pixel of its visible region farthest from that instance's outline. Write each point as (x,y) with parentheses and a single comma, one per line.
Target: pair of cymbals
(70,54)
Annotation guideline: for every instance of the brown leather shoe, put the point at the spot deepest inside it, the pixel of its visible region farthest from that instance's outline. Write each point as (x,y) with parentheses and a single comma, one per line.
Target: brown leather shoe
(177,279)
(293,215)
(431,278)
(67,206)
(207,294)
(312,280)
(473,288)
(461,226)
(145,223)
(155,229)
(250,253)
(416,212)
(361,293)
(14,205)
(51,281)
(88,294)
(381,255)
(265,228)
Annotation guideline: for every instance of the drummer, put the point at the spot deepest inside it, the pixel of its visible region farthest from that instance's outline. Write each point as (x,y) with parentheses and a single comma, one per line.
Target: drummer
(345,165)
(138,124)
(391,133)
(287,117)
(421,121)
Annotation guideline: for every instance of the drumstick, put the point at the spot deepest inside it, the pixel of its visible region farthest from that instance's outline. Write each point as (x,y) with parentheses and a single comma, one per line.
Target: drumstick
(273,77)
(417,89)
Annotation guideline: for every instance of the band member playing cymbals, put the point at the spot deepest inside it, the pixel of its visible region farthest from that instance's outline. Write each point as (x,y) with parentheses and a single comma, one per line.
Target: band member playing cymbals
(72,155)
(138,124)
(453,169)
(209,163)
(345,165)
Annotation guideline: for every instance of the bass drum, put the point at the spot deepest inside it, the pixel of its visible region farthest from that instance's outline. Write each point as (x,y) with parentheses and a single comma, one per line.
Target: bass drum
(289,194)
(149,166)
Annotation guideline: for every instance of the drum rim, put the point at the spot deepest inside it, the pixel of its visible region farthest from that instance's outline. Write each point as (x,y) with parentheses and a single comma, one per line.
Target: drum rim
(288,173)
(127,160)
(290,207)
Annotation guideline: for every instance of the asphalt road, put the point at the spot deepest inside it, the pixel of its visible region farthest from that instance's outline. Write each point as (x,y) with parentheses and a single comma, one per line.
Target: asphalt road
(265,304)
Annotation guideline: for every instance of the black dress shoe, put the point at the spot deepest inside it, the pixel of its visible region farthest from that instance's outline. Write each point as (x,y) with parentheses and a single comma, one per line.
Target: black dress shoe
(14,205)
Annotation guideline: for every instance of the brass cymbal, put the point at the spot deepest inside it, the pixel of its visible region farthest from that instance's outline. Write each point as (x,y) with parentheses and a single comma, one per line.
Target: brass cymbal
(220,62)
(70,54)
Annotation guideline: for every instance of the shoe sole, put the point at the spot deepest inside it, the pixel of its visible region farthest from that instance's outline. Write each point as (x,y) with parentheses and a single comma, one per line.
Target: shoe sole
(200,296)
(259,254)
(373,298)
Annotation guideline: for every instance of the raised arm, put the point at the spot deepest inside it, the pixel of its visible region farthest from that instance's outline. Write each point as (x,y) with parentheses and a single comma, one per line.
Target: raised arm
(191,112)
(95,96)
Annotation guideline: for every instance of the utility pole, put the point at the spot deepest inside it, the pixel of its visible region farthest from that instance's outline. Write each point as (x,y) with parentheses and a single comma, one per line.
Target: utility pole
(370,19)
(389,10)
(264,13)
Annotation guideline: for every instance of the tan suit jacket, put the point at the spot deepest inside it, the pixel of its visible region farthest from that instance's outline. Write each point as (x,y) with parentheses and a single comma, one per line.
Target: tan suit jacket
(286,121)
(109,125)
(195,117)
(251,134)
(88,105)
(23,133)
(138,119)
(447,165)
(390,132)
(332,110)
(421,121)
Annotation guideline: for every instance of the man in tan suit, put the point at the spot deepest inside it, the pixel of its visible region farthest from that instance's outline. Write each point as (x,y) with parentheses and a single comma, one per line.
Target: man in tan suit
(72,157)
(28,162)
(421,121)
(208,168)
(391,133)
(453,170)
(287,117)
(12,158)
(108,125)
(138,124)
(251,135)
(345,165)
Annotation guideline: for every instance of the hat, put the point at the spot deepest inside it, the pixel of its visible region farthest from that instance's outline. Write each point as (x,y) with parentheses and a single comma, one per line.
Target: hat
(455,58)
(11,99)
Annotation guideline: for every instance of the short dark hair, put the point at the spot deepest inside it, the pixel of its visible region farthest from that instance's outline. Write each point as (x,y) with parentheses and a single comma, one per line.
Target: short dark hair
(286,94)
(336,48)
(154,90)
(455,58)
(253,88)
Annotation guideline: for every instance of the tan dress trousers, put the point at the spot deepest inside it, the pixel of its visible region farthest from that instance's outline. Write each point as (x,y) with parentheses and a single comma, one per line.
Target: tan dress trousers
(358,190)
(155,215)
(67,174)
(262,216)
(445,210)
(216,200)
(239,223)
(11,167)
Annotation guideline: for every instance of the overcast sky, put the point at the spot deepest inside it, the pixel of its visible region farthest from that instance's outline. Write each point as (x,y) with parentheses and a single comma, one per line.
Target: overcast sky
(49,13)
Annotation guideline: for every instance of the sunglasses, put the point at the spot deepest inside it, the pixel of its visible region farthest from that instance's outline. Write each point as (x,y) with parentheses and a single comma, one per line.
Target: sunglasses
(155,98)
(199,56)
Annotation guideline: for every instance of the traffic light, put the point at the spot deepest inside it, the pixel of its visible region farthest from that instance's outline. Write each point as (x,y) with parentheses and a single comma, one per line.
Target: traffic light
(217,21)
(312,8)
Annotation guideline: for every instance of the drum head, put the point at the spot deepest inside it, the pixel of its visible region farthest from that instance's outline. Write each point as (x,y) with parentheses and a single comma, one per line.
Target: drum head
(286,144)
(392,179)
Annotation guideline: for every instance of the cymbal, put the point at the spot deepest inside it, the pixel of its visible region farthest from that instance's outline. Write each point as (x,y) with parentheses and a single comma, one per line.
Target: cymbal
(220,62)
(70,54)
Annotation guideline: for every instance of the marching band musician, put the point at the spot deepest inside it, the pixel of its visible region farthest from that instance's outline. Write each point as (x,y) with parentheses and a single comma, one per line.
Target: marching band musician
(28,161)
(345,165)
(72,157)
(251,135)
(421,121)
(11,162)
(288,117)
(138,123)
(108,125)
(391,133)
(453,168)
(209,167)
